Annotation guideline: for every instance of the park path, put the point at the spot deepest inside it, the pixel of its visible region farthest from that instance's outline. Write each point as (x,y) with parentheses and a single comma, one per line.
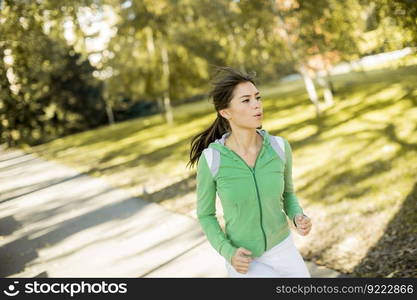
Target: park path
(56,222)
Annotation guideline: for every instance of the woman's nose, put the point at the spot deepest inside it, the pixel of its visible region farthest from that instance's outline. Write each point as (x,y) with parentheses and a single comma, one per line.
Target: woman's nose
(256,103)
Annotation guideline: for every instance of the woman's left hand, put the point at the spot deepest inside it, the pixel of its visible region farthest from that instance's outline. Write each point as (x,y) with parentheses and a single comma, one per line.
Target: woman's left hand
(303,224)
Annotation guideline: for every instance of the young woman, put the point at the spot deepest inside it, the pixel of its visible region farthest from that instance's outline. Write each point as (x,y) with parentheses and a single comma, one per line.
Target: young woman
(251,171)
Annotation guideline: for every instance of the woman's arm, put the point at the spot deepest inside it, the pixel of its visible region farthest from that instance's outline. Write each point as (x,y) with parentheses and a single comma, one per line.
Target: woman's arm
(291,203)
(206,211)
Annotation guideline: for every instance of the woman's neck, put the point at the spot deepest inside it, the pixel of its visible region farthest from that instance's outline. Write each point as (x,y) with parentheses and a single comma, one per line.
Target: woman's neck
(244,141)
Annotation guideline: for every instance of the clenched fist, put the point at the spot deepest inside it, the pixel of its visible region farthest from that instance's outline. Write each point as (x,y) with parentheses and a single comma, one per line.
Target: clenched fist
(303,224)
(241,260)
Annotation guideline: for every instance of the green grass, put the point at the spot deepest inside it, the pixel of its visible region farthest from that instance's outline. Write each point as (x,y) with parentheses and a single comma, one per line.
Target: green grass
(354,168)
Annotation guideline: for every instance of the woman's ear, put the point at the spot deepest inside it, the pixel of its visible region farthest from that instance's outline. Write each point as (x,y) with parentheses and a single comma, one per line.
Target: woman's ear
(225,113)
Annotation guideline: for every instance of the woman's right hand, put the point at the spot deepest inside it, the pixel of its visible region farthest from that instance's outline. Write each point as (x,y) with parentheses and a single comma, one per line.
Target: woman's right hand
(241,260)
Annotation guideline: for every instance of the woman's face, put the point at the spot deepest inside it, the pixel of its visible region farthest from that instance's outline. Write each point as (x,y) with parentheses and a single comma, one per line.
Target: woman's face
(245,108)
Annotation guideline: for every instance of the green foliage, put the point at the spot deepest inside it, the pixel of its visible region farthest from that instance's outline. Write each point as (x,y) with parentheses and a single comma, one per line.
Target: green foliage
(47,89)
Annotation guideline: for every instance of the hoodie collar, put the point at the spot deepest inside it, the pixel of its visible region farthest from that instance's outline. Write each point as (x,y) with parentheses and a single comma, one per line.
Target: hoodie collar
(219,143)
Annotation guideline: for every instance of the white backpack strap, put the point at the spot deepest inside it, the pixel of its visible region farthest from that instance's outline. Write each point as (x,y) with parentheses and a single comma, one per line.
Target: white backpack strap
(213,160)
(277,142)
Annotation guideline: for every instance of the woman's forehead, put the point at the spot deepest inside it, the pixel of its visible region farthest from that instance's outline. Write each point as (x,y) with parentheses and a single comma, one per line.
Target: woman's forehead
(245,89)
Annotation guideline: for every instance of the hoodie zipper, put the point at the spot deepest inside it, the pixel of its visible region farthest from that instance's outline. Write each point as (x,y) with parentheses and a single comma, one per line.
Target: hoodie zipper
(256,186)
(260,207)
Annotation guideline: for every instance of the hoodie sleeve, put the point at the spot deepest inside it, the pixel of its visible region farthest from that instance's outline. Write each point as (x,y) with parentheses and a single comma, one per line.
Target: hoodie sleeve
(206,211)
(291,203)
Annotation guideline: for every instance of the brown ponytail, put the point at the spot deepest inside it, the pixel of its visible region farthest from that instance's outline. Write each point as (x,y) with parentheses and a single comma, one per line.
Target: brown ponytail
(222,93)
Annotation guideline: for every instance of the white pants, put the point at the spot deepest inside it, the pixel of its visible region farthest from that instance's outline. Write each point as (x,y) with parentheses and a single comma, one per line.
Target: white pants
(282,260)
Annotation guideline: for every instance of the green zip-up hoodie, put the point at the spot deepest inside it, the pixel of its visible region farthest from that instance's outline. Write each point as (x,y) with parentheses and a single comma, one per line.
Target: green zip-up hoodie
(256,201)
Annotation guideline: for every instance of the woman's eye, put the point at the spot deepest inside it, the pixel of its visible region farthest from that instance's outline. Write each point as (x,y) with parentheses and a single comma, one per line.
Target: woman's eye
(258,98)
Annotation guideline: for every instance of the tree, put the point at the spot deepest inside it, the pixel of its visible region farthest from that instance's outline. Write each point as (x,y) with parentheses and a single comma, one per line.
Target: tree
(317,34)
(47,89)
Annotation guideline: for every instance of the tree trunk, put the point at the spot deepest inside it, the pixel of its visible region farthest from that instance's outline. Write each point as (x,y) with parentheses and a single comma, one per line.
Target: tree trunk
(329,81)
(169,117)
(325,83)
(311,89)
(109,112)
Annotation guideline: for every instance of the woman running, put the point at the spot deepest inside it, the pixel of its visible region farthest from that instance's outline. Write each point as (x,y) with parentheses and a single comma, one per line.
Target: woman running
(251,171)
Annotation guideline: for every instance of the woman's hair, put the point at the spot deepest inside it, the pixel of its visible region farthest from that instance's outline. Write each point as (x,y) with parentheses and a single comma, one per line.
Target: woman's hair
(222,93)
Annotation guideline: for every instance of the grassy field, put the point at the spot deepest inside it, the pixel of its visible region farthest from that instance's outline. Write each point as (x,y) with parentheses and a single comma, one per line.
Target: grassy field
(354,169)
